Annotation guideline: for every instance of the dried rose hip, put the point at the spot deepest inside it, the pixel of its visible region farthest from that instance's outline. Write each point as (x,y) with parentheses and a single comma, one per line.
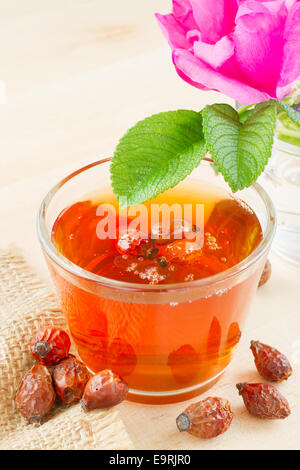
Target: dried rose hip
(184,363)
(121,357)
(104,390)
(270,363)
(264,401)
(130,242)
(148,251)
(177,230)
(183,251)
(162,262)
(266,274)
(207,418)
(70,377)
(35,396)
(50,345)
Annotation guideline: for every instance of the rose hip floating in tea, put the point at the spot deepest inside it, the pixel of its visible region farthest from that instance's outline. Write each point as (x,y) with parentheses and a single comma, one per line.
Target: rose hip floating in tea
(50,345)
(214,339)
(130,242)
(121,356)
(234,334)
(207,418)
(70,377)
(184,364)
(35,396)
(270,363)
(178,229)
(264,401)
(104,390)
(235,230)
(183,251)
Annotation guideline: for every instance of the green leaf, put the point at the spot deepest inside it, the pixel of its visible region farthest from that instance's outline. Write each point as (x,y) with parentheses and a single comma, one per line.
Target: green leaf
(245,114)
(156,154)
(292,113)
(239,150)
(287,130)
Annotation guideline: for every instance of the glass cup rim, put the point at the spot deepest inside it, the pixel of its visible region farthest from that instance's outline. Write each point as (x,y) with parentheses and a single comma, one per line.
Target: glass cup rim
(67,265)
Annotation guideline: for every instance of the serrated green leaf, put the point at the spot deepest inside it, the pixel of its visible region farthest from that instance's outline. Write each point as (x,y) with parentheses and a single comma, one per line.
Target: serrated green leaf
(287,130)
(156,154)
(291,113)
(244,115)
(239,150)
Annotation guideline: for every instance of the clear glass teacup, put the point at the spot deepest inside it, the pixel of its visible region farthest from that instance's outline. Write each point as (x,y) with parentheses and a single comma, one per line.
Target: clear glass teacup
(169,342)
(281,180)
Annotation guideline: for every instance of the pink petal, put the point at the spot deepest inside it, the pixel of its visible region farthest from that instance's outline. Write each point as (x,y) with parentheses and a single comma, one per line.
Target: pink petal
(215,18)
(290,69)
(282,92)
(274,6)
(193,35)
(181,8)
(290,3)
(200,74)
(251,15)
(258,39)
(173,31)
(186,78)
(214,54)
(183,13)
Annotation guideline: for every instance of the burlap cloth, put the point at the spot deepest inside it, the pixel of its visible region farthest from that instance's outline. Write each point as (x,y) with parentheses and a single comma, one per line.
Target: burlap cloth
(26,304)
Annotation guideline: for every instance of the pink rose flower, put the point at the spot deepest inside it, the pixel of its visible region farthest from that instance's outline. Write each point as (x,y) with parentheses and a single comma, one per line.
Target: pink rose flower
(246,49)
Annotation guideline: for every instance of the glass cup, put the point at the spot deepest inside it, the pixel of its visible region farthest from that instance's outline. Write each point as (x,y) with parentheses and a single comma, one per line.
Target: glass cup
(169,342)
(281,180)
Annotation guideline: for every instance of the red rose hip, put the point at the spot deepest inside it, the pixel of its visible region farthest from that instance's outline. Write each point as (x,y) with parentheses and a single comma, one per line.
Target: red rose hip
(270,363)
(104,390)
(50,345)
(264,401)
(70,377)
(130,242)
(35,396)
(207,418)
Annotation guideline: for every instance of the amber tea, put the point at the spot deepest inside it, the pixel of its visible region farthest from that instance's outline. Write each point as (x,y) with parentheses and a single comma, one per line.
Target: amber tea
(159,348)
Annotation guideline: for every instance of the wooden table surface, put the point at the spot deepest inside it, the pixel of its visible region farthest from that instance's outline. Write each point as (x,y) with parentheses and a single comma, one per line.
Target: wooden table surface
(78,73)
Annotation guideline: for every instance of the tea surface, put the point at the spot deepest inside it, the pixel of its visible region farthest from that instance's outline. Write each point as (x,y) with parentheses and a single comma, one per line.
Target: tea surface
(182,252)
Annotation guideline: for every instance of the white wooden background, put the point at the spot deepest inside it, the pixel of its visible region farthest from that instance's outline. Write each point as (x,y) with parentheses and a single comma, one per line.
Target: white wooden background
(78,73)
